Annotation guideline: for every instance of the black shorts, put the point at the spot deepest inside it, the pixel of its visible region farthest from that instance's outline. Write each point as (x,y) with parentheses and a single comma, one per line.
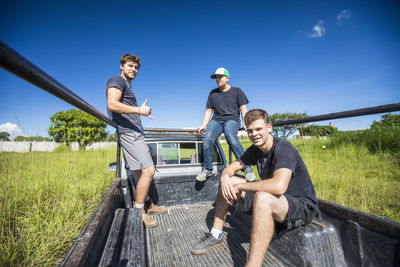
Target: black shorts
(299,213)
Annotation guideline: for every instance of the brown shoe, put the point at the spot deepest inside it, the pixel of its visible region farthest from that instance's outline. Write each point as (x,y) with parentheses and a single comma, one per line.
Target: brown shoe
(153,209)
(148,221)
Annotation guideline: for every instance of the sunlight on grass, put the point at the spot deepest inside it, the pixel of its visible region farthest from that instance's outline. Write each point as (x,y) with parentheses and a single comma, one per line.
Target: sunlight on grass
(46,200)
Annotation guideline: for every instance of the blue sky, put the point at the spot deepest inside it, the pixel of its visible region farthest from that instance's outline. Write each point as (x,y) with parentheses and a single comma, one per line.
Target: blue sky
(287,56)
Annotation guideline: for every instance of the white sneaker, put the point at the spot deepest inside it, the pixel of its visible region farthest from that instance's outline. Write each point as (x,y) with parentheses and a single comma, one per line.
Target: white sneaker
(249,175)
(203,175)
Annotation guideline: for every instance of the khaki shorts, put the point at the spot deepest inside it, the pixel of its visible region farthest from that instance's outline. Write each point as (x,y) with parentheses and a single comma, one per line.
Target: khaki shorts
(136,151)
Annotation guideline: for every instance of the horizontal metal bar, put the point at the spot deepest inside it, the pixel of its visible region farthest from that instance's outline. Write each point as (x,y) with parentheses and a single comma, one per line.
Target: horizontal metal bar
(343,114)
(13,62)
(170,130)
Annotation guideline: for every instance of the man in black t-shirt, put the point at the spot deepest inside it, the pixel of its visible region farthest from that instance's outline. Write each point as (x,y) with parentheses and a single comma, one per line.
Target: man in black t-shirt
(283,200)
(227,102)
(124,110)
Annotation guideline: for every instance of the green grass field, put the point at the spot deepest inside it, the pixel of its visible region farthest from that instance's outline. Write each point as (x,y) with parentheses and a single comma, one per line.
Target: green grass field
(45,201)
(47,198)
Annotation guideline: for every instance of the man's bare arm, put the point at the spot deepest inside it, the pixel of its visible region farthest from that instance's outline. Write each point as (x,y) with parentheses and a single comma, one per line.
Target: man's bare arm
(206,119)
(113,104)
(277,185)
(243,110)
(227,184)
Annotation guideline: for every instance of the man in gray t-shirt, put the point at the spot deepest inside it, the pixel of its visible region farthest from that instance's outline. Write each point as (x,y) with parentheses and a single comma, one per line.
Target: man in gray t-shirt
(124,111)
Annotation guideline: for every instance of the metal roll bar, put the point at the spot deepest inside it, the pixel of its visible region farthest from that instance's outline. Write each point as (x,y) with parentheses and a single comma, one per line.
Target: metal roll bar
(16,64)
(13,62)
(343,114)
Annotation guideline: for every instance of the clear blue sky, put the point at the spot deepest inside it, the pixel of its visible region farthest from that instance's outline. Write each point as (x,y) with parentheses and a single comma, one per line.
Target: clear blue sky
(297,56)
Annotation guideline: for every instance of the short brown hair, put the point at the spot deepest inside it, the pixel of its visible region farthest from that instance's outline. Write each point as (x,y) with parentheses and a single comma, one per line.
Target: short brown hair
(129,57)
(254,115)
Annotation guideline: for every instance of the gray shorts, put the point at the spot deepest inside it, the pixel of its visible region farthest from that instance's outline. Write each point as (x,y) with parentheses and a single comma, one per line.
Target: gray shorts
(136,151)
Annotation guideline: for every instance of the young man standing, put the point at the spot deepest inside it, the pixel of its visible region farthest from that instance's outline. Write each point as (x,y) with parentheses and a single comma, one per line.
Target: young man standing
(124,111)
(227,102)
(283,200)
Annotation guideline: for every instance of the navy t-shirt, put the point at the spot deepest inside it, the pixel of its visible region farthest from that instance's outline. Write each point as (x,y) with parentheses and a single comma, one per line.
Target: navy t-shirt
(283,155)
(126,122)
(226,105)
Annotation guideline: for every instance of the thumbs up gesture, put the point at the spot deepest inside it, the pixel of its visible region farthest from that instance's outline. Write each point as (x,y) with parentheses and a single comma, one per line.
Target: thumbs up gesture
(145,110)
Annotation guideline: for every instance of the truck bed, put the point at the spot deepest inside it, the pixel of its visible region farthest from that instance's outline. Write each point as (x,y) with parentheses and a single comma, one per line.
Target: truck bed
(169,244)
(116,236)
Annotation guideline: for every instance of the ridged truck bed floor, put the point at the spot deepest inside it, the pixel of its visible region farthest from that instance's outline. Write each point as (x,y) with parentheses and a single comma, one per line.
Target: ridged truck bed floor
(170,242)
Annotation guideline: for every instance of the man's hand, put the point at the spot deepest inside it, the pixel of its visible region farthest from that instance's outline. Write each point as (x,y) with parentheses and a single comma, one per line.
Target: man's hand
(145,110)
(201,129)
(229,190)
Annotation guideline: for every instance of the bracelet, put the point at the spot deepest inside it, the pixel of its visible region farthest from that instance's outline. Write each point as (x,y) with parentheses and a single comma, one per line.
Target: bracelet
(139,111)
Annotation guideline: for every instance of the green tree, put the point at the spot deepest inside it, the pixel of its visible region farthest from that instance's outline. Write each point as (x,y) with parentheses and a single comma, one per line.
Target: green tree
(4,136)
(31,138)
(286,130)
(20,138)
(388,119)
(75,125)
(111,137)
(318,130)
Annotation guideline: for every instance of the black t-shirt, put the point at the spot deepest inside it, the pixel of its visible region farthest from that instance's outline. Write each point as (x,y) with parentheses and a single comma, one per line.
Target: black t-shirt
(126,122)
(226,105)
(283,155)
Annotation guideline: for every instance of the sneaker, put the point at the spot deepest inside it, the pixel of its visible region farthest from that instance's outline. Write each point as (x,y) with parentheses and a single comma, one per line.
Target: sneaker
(203,175)
(148,221)
(153,209)
(249,174)
(206,243)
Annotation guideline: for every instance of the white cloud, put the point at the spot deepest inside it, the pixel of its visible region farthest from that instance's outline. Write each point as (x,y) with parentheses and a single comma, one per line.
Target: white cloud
(344,14)
(12,129)
(318,30)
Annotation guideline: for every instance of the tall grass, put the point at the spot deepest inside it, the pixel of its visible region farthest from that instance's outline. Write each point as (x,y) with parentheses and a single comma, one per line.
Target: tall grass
(45,201)
(378,139)
(350,174)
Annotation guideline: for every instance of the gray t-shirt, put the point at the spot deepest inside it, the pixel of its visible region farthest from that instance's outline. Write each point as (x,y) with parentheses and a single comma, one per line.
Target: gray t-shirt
(226,105)
(283,155)
(126,122)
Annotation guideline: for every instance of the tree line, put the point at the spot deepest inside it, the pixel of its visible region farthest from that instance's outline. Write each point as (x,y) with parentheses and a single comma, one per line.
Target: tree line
(75,125)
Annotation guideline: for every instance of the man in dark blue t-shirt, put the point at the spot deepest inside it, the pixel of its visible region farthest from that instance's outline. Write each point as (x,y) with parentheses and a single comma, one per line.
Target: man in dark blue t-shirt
(283,200)
(227,102)
(124,111)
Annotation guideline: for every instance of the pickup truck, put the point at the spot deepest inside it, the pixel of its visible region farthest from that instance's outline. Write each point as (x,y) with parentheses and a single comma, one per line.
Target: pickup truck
(116,236)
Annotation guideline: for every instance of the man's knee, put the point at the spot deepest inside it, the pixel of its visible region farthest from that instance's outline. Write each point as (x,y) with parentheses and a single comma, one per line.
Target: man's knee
(277,205)
(149,171)
(209,141)
(263,199)
(231,138)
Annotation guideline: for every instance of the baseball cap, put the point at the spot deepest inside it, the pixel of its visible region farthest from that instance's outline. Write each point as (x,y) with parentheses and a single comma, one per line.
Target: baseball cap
(220,71)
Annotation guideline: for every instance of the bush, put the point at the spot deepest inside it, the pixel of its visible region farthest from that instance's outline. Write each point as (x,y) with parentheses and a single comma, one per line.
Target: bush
(377,139)
(32,138)
(318,130)
(62,148)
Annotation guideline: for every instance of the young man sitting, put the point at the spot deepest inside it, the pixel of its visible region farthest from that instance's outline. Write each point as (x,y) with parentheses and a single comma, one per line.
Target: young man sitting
(283,200)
